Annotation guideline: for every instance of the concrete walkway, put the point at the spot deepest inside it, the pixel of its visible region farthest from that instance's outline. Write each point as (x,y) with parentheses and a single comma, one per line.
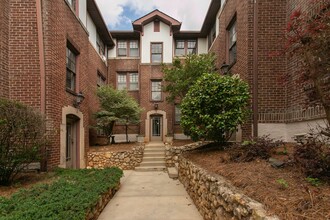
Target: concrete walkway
(150,196)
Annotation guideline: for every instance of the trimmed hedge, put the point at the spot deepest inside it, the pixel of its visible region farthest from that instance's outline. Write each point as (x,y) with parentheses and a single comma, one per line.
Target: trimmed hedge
(69,197)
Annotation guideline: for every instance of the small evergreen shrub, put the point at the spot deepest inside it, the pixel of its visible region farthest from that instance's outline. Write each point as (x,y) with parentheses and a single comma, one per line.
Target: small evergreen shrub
(70,197)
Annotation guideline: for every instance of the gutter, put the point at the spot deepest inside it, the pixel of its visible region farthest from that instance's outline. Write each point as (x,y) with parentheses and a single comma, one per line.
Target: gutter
(41,58)
(255,69)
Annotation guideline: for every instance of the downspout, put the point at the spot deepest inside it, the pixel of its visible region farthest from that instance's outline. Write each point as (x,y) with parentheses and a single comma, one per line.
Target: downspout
(255,69)
(41,58)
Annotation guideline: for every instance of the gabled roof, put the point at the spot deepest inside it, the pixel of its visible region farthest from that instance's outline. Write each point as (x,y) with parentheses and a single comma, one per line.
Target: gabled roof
(156,15)
(102,29)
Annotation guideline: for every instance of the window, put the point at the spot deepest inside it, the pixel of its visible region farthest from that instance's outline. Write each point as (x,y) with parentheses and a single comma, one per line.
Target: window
(121,81)
(156,52)
(191,49)
(128,81)
(133,81)
(179,48)
(156,90)
(212,35)
(128,48)
(73,4)
(177,114)
(100,45)
(70,70)
(185,47)
(232,42)
(100,79)
(134,48)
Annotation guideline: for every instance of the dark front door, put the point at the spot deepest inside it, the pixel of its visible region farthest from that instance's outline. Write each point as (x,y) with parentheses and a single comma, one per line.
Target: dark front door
(156,128)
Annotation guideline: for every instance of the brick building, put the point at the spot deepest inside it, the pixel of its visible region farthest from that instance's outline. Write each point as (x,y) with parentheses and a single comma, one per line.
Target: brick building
(52,52)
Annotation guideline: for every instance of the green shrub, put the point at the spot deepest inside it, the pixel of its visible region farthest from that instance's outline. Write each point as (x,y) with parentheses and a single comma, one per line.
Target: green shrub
(22,134)
(214,106)
(70,197)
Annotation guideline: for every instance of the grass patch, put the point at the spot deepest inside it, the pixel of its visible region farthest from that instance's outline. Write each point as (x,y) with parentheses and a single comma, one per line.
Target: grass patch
(70,197)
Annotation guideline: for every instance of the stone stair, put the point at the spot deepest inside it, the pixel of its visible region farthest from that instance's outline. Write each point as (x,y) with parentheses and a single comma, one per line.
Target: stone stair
(153,157)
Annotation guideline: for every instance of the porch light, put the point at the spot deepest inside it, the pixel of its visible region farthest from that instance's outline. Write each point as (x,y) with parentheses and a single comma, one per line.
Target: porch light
(224,68)
(79,99)
(156,106)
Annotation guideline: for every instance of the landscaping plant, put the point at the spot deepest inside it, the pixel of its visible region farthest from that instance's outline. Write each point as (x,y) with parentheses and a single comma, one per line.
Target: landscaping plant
(116,106)
(22,135)
(257,148)
(183,73)
(214,106)
(308,41)
(72,196)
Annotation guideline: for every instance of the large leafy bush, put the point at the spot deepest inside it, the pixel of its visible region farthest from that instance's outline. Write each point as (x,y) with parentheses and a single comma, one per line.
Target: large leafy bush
(22,134)
(214,106)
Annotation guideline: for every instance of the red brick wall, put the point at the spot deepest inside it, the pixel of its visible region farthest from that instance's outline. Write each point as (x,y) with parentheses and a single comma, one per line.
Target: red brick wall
(24,71)
(4,34)
(243,66)
(60,25)
(95,65)
(296,97)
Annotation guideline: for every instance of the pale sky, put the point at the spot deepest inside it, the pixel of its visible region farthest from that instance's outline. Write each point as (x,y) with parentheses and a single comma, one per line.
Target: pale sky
(119,14)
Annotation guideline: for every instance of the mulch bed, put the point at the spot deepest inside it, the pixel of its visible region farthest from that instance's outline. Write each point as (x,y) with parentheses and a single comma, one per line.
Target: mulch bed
(260,181)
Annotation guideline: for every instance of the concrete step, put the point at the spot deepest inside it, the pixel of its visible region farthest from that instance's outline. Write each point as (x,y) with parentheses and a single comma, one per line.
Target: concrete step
(152,168)
(154,150)
(154,154)
(155,144)
(172,172)
(153,158)
(152,163)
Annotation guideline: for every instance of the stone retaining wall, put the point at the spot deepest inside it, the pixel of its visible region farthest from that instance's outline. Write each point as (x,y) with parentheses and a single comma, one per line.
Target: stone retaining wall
(216,198)
(95,212)
(172,153)
(126,160)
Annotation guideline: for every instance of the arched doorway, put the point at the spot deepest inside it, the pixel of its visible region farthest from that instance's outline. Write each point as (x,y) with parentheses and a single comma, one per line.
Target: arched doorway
(72,141)
(72,150)
(156,125)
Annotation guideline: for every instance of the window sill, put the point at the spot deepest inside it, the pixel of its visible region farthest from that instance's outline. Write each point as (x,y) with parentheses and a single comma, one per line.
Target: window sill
(70,91)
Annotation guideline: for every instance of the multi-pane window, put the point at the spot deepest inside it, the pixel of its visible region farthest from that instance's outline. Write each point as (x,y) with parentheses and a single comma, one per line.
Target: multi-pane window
(133,81)
(156,90)
(122,48)
(156,52)
(232,42)
(100,45)
(121,81)
(128,81)
(179,48)
(191,48)
(70,70)
(177,114)
(128,48)
(100,80)
(185,47)
(134,48)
